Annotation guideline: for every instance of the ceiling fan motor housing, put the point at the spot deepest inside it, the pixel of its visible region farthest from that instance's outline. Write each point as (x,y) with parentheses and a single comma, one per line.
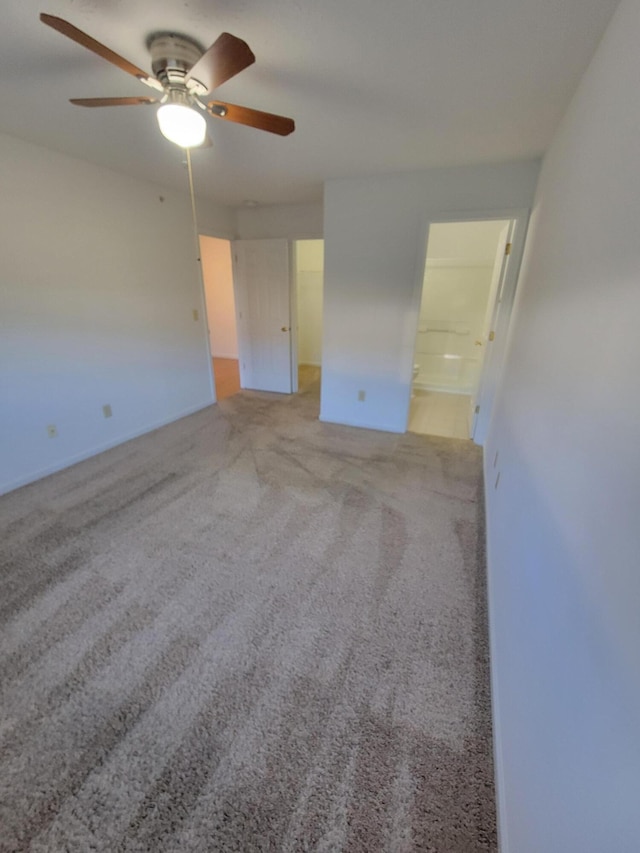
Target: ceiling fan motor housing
(172,57)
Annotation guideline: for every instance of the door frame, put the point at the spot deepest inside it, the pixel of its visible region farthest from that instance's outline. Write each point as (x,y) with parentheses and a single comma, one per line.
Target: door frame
(501,262)
(494,357)
(293,315)
(293,301)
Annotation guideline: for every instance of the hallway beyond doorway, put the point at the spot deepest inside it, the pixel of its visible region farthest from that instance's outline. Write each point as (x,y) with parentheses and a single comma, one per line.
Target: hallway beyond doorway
(226,372)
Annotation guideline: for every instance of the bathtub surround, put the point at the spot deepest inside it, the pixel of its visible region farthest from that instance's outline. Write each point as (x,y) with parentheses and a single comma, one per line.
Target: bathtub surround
(248,631)
(458,293)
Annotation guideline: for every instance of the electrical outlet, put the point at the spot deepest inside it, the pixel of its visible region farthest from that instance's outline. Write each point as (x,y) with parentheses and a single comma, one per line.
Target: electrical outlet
(196,315)
(362,395)
(52,431)
(106,410)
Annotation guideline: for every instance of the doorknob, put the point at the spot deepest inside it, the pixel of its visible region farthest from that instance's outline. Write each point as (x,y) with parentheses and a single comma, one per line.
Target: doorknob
(285,329)
(478,343)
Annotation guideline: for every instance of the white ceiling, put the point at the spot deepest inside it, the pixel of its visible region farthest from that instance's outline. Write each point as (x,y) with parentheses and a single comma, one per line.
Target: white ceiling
(373,85)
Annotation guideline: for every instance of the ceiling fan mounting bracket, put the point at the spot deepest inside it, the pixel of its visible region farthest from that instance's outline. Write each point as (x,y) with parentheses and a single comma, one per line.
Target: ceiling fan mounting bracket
(172,57)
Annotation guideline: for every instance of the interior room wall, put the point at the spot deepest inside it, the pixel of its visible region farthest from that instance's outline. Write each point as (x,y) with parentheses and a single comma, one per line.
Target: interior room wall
(99,285)
(218,286)
(214,220)
(374,232)
(291,221)
(309,279)
(563,527)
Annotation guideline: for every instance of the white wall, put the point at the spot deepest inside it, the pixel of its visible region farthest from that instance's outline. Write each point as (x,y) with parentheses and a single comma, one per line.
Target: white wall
(292,221)
(218,285)
(215,220)
(309,280)
(564,531)
(374,251)
(99,284)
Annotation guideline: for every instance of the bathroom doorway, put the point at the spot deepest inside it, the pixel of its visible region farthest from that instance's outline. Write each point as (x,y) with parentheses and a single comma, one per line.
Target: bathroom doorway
(308,290)
(462,285)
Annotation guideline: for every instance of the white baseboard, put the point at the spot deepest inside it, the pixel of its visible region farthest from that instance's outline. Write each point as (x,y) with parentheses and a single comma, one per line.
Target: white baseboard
(96,449)
(498,761)
(376,427)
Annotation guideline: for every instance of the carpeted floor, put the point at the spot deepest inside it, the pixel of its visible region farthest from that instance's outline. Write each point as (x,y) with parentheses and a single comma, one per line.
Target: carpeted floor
(248,631)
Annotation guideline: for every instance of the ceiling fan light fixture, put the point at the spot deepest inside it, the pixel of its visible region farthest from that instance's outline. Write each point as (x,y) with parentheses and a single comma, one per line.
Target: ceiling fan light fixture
(184,72)
(182,125)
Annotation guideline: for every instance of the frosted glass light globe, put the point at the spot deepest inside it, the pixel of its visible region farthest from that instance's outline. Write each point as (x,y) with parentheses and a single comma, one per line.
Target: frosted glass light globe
(182,125)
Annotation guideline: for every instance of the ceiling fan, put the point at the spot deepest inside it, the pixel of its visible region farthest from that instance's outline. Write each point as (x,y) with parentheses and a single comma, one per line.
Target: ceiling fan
(183,74)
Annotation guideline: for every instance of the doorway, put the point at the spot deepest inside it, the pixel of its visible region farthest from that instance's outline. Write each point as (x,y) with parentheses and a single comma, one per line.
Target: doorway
(264,304)
(464,274)
(309,279)
(217,274)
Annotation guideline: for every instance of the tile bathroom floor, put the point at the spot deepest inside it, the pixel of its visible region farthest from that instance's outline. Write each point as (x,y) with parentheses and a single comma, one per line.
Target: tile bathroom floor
(439,413)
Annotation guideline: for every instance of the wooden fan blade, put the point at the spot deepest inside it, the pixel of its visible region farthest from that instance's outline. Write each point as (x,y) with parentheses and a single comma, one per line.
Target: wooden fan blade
(252,118)
(226,57)
(83,39)
(111,102)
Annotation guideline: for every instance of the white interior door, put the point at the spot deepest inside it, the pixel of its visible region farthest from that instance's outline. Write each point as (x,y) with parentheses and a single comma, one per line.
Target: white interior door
(263,310)
(495,294)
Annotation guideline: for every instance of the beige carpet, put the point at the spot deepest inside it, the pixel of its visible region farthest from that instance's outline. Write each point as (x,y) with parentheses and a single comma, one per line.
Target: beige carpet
(248,631)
